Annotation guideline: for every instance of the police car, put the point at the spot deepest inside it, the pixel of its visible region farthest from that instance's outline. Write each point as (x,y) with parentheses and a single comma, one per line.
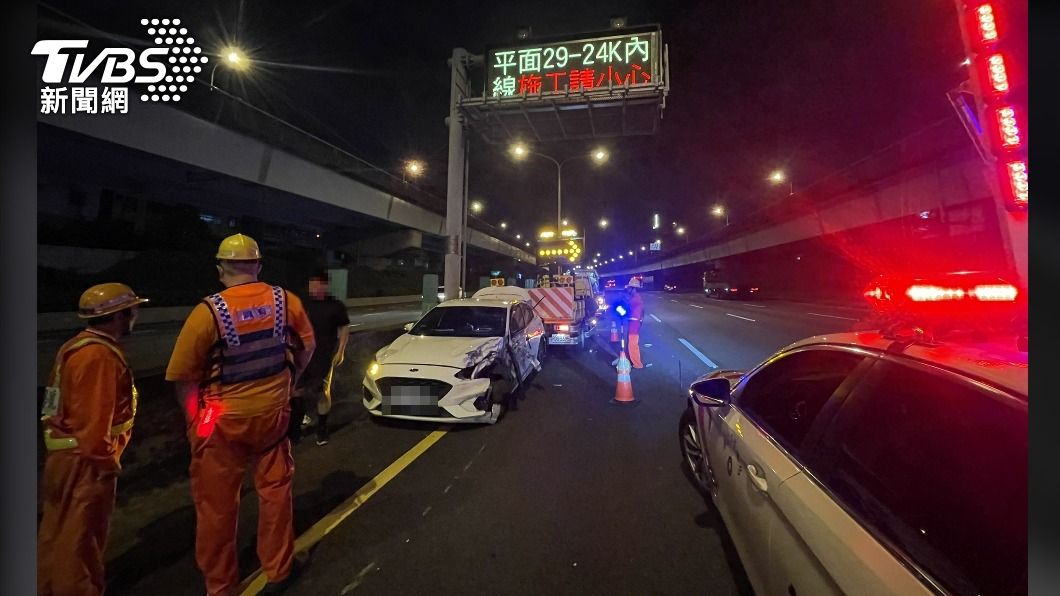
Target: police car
(891,461)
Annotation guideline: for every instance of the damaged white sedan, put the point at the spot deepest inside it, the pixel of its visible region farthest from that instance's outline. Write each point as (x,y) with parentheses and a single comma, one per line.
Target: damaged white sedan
(459,363)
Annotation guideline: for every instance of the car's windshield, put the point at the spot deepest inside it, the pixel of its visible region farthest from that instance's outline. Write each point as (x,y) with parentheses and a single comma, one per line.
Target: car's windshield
(462,321)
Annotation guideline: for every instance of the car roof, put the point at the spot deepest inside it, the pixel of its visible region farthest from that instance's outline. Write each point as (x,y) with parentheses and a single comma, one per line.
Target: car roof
(475,302)
(506,293)
(997,362)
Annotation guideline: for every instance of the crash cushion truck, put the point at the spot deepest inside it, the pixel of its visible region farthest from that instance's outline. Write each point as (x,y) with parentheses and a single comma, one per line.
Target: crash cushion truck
(567,305)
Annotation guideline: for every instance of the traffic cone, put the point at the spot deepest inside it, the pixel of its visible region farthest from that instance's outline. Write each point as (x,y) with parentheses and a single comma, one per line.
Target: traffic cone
(624,389)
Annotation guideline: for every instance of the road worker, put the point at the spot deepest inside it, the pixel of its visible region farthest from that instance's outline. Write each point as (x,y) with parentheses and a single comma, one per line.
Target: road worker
(636,315)
(88,410)
(331,328)
(235,362)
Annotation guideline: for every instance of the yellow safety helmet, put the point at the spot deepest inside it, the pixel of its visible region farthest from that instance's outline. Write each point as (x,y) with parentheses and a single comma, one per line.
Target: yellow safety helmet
(104,299)
(238,247)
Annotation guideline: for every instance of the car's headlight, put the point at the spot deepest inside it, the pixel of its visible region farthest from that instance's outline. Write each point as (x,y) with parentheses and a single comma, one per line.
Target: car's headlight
(373,369)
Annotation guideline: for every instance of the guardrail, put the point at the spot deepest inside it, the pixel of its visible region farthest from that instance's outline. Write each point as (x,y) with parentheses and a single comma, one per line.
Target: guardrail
(62,321)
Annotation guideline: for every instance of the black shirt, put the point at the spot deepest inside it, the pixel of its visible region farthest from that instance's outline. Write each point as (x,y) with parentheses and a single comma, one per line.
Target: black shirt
(327,316)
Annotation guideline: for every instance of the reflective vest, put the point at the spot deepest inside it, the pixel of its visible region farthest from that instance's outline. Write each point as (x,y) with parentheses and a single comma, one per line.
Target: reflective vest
(56,441)
(253,339)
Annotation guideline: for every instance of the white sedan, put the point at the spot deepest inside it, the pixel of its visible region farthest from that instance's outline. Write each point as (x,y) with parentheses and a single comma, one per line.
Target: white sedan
(458,363)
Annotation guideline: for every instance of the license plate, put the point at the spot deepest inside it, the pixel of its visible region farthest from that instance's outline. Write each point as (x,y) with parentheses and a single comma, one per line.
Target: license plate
(410,401)
(560,338)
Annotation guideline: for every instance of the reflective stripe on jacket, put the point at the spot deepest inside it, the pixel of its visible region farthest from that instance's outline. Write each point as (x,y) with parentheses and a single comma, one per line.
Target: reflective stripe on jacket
(253,339)
(54,438)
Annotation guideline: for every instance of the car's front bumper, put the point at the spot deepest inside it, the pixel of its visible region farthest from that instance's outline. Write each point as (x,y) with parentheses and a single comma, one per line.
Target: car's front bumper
(409,403)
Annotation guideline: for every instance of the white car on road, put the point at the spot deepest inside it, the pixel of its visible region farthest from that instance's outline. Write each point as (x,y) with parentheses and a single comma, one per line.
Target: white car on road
(459,363)
(891,462)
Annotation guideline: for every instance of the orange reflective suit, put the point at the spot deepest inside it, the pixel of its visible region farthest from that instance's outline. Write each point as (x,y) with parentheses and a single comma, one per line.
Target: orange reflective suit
(636,315)
(237,347)
(90,402)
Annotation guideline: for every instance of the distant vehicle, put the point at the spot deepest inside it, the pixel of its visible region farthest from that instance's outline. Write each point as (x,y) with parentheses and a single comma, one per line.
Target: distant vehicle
(568,305)
(441,293)
(854,463)
(670,287)
(459,363)
(727,292)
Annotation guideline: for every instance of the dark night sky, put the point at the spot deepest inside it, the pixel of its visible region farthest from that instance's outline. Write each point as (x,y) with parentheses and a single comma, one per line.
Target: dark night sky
(808,86)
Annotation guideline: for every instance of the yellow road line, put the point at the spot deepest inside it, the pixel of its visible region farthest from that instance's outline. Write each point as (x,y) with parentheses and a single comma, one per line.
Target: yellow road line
(256,582)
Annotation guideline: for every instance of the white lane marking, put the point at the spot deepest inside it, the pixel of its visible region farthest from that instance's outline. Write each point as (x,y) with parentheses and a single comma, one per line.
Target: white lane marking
(817,314)
(756,305)
(697,353)
(674,301)
(695,305)
(739,317)
(426,511)
(446,491)
(354,324)
(657,319)
(357,580)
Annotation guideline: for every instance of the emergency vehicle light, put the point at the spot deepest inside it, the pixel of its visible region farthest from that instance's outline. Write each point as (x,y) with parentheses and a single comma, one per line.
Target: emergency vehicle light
(998,73)
(1007,127)
(1016,171)
(987,24)
(958,287)
(983,293)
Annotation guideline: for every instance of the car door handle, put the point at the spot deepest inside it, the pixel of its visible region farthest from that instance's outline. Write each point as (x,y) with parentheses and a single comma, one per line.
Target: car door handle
(757,478)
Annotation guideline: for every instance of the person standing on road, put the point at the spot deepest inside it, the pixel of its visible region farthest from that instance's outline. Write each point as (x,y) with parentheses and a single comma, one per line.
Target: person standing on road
(88,411)
(331,327)
(235,362)
(636,315)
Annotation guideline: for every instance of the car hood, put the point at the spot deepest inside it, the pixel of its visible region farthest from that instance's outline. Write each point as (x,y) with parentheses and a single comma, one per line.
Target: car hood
(456,352)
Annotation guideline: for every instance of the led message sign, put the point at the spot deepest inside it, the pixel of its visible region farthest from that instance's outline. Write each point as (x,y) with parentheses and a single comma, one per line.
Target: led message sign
(582,65)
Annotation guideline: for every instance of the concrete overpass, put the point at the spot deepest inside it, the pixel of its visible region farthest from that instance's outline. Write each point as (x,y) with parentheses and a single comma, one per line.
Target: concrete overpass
(174,134)
(935,174)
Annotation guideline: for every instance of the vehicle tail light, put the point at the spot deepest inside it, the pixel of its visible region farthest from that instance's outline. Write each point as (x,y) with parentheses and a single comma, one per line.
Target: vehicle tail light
(563,328)
(754,289)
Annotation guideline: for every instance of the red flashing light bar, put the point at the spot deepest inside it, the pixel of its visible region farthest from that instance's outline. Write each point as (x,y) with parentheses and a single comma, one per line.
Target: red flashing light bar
(1017,189)
(1007,127)
(983,293)
(987,24)
(998,74)
(891,293)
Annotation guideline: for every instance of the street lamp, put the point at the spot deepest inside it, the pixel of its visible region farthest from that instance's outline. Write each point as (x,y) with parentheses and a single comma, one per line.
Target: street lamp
(603,223)
(680,230)
(232,57)
(477,207)
(520,151)
(778,177)
(518,236)
(719,211)
(504,225)
(414,168)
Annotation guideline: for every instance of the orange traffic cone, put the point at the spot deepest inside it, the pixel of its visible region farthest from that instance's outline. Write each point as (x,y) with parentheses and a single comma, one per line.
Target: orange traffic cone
(624,389)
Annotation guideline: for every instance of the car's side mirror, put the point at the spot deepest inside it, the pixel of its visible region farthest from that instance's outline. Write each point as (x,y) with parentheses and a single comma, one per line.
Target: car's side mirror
(710,392)
(409,326)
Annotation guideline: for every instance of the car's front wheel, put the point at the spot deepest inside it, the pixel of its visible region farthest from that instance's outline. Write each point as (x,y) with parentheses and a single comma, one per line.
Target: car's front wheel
(692,453)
